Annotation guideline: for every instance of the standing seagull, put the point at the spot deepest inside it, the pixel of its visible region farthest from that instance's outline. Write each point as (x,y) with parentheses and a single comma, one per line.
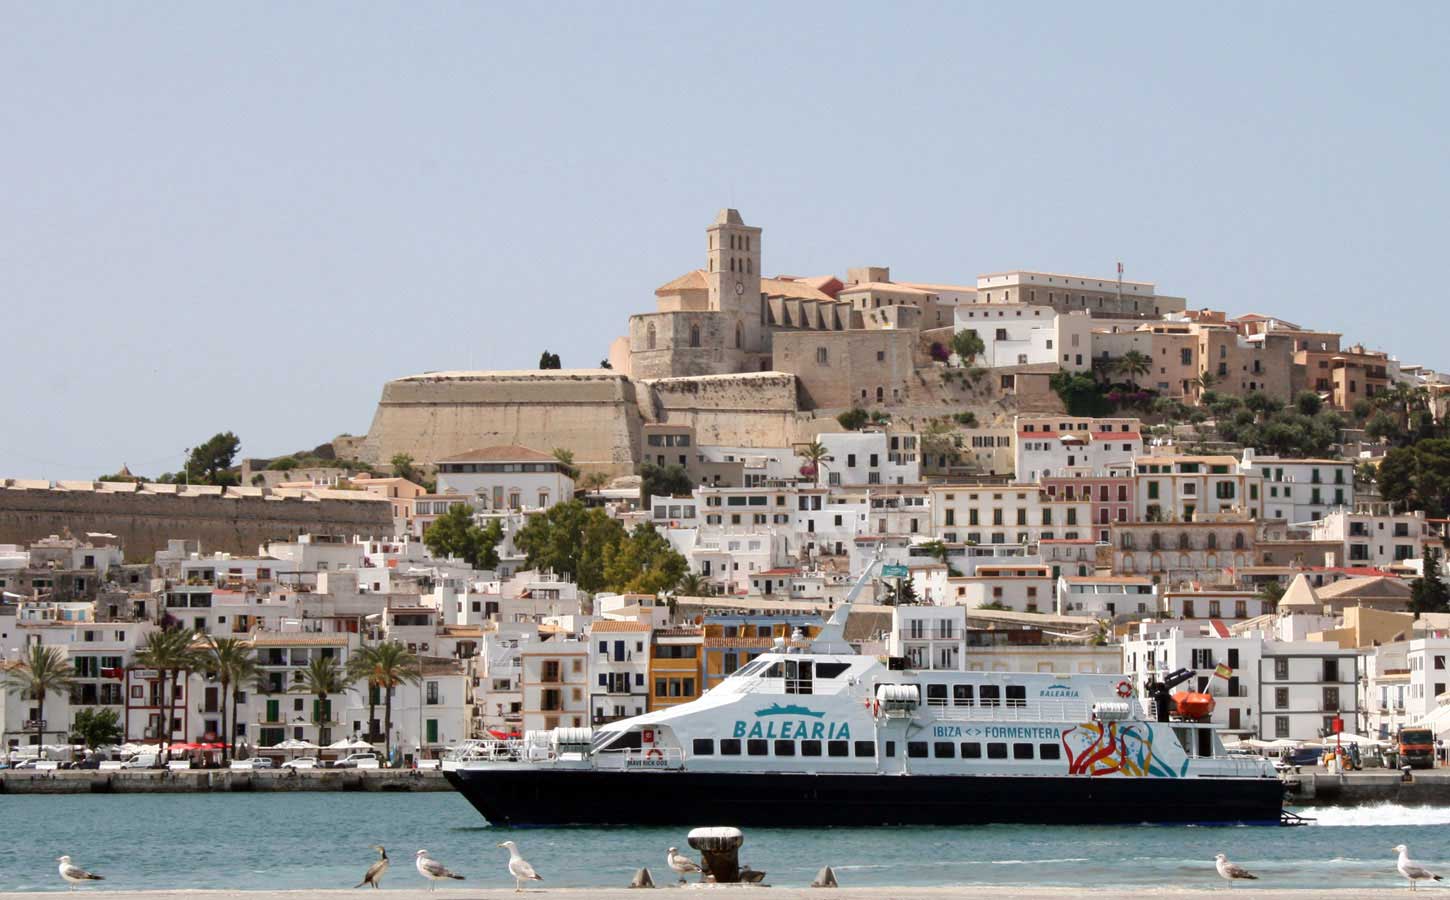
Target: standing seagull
(519,867)
(681,864)
(374,875)
(1413,870)
(1233,871)
(432,869)
(75,875)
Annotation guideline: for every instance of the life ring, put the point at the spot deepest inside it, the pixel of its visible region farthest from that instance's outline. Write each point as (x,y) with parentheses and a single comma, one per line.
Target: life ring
(654,753)
(1125,689)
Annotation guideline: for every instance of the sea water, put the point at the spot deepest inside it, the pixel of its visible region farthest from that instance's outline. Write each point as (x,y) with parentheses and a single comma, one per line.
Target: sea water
(321,840)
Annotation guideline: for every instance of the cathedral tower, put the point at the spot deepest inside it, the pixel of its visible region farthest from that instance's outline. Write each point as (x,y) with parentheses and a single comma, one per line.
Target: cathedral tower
(732,274)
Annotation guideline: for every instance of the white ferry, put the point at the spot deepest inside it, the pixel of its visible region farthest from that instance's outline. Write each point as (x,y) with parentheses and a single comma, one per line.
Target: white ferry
(827,737)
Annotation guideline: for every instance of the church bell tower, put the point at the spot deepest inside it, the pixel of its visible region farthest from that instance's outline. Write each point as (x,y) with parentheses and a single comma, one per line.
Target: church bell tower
(732,273)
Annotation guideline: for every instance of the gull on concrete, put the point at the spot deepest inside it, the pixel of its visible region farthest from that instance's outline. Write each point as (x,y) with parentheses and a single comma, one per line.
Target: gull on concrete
(1411,869)
(374,874)
(1232,871)
(519,867)
(432,869)
(681,864)
(74,875)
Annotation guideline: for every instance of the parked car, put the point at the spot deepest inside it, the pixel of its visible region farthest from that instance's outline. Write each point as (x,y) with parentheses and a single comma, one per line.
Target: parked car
(261,762)
(26,763)
(352,759)
(140,761)
(301,762)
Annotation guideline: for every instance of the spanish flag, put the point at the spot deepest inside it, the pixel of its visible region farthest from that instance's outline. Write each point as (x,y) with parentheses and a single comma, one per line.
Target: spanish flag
(1222,671)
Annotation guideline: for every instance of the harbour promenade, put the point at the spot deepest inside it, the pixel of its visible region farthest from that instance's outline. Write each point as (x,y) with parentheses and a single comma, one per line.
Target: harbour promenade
(969,892)
(199,781)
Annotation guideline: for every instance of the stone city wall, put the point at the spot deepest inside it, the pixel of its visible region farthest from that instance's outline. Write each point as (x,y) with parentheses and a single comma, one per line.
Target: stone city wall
(753,409)
(145,517)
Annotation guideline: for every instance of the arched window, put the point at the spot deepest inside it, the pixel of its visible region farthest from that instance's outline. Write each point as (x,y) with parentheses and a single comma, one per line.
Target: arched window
(1212,541)
(880,394)
(1183,540)
(732,264)
(649,337)
(749,265)
(694,335)
(739,332)
(1155,542)
(1239,541)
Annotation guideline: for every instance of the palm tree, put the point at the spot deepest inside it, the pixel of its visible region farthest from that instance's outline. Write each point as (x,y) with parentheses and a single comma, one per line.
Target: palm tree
(360,667)
(815,453)
(693,585)
(170,654)
(231,660)
(1133,364)
(1205,381)
(392,665)
(322,677)
(593,481)
(44,670)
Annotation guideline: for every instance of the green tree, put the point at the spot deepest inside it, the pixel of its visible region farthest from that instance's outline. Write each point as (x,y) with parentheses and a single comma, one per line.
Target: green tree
(549,360)
(815,454)
(211,461)
(942,442)
(455,534)
(362,666)
(1134,365)
(232,662)
(1204,381)
(692,585)
(669,480)
(322,678)
(403,466)
(644,563)
(1271,591)
(392,665)
(1417,477)
(168,651)
(570,539)
(565,459)
(854,419)
(593,481)
(1383,426)
(1308,403)
(968,345)
(42,671)
(1428,593)
(96,728)
(1080,394)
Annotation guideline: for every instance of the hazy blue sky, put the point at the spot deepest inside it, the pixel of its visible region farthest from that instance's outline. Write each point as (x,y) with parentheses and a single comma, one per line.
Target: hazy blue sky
(249,219)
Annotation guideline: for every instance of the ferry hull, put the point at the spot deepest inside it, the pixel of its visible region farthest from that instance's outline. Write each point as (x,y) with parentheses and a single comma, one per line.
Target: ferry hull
(511,796)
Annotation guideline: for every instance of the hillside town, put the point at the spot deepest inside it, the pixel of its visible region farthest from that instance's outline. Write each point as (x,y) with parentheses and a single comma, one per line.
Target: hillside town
(1041,473)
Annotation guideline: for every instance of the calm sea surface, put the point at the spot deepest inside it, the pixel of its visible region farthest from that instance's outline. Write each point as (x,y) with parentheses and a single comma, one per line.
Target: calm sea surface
(262,841)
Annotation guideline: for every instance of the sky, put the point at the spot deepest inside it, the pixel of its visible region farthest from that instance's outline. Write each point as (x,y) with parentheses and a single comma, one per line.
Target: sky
(248,217)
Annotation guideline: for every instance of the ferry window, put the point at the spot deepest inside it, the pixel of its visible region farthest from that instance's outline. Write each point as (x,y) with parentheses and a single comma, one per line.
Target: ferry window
(757,747)
(916,749)
(944,750)
(830,670)
(1016,695)
(971,751)
(863,748)
(1049,751)
(1022,751)
(751,668)
(785,748)
(961,695)
(798,676)
(991,695)
(729,747)
(936,695)
(996,751)
(890,749)
(838,748)
(810,748)
(704,746)
(772,672)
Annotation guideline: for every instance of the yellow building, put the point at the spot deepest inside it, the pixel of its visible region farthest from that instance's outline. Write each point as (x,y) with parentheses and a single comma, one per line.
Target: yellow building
(675,674)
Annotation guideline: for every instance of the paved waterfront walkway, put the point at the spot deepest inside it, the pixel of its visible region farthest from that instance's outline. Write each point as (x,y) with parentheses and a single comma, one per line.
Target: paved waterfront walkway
(982,892)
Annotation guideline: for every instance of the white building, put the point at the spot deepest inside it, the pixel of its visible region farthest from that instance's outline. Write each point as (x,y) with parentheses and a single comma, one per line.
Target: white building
(554,681)
(1024,588)
(618,670)
(1106,596)
(507,477)
(1050,446)
(1006,514)
(930,637)
(1373,536)
(870,458)
(1022,334)
(1189,488)
(1301,490)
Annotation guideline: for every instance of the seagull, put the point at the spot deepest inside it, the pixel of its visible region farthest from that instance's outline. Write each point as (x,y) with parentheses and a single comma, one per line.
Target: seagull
(681,864)
(432,869)
(519,867)
(1413,870)
(1233,871)
(74,875)
(374,875)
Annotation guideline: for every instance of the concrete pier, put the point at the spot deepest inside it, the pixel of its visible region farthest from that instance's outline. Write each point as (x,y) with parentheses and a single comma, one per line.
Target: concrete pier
(1427,787)
(195,781)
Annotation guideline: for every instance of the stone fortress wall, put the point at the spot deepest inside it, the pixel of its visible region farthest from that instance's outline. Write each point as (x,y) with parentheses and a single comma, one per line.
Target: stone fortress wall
(145,516)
